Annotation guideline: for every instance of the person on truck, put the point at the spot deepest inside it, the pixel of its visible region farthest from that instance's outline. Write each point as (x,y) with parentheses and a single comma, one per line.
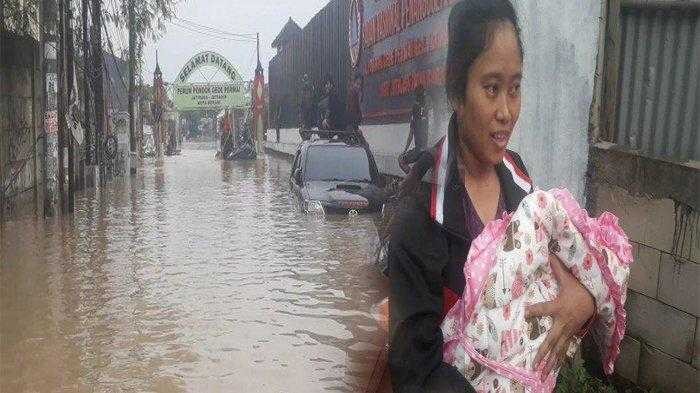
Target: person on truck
(328,108)
(418,132)
(307,103)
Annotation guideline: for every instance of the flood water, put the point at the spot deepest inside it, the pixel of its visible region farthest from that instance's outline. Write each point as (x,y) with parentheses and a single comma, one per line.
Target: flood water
(196,275)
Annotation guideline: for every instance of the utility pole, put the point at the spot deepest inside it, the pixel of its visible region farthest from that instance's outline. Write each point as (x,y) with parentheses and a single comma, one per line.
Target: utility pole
(89,159)
(97,66)
(61,102)
(157,109)
(132,76)
(70,75)
(49,89)
(139,104)
(258,101)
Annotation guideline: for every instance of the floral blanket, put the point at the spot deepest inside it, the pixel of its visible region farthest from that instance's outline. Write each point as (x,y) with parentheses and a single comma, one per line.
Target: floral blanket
(486,335)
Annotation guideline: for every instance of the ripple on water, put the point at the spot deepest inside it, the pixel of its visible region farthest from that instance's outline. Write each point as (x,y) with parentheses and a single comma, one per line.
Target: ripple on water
(194,276)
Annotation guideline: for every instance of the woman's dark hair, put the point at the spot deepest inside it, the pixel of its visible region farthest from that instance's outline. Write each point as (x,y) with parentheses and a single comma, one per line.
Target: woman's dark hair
(470,27)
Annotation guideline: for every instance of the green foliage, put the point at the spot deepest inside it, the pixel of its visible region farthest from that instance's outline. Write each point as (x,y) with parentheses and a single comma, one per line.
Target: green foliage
(19,16)
(150,17)
(578,380)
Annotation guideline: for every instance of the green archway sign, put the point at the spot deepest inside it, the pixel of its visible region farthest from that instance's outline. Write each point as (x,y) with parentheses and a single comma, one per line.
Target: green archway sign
(200,96)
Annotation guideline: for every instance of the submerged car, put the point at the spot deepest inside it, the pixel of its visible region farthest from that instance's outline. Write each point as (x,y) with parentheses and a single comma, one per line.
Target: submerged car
(335,176)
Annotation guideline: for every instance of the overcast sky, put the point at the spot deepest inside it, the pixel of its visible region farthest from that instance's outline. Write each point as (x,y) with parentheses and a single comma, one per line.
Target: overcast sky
(266,17)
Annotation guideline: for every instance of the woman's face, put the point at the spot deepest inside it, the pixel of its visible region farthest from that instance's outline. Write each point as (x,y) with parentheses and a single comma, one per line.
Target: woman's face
(491,104)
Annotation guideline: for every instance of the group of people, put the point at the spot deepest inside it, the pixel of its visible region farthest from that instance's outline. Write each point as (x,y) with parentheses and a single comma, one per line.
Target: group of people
(236,142)
(325,113)
(319,111)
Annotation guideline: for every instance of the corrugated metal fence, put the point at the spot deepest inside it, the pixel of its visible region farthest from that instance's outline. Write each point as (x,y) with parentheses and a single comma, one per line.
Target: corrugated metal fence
(320,51)
(658,108)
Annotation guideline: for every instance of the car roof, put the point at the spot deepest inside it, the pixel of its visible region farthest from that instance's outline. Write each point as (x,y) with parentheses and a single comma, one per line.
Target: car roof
(327,143)
(304,146)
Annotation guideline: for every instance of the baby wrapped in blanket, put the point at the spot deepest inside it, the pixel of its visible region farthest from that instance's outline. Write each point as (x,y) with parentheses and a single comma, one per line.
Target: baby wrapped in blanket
(486,335)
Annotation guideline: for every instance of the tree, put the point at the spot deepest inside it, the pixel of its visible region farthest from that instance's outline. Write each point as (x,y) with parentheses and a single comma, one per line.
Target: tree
(19,16)
(150,17)
(146,18)
(150,21)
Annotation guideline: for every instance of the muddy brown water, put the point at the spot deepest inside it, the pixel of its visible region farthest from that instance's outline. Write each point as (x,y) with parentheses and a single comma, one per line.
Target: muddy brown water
(196,275)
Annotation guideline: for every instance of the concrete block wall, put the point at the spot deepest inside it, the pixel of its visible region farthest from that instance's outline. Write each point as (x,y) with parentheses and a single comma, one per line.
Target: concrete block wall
(661,346)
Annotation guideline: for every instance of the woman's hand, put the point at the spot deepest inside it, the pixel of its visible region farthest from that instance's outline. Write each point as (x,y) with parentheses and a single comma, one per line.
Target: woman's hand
(570,311)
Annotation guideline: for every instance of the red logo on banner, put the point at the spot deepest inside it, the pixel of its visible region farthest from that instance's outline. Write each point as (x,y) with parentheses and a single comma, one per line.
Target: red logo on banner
(355,31)
(259,93)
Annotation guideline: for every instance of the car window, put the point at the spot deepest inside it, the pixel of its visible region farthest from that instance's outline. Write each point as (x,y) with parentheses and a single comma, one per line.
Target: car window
(342,163)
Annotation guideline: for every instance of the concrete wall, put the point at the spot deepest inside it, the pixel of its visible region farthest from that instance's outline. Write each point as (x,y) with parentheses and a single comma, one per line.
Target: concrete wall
(659,208)
(561,48)
(20,119)
(289,140)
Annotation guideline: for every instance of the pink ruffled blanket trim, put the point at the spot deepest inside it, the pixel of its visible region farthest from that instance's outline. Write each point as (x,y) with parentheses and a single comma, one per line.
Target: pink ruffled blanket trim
(486,242)
(483,248)
(606,231)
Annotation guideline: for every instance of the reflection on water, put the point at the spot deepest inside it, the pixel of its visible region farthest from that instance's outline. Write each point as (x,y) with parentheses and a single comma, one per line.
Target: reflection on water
(197,275)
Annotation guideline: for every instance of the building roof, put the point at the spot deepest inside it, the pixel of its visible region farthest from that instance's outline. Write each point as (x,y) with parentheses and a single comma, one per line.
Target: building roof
(290,30)
(157,70)
(116,72)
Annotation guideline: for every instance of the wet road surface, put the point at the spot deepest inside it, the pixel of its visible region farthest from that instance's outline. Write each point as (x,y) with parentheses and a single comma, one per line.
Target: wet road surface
(196,275)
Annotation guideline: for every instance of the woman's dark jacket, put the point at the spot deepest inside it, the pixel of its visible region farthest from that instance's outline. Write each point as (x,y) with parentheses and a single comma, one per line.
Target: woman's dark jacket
(427,250)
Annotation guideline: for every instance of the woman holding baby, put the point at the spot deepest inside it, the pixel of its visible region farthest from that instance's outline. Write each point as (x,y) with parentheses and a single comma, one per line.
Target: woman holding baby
(475,179)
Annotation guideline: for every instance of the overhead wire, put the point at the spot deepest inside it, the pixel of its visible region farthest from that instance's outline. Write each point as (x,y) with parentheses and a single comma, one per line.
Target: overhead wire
(201,26)
(188,25)
(212,35)
(216,33)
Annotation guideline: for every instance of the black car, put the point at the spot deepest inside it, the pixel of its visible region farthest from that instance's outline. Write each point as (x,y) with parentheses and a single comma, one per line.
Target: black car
(336,176)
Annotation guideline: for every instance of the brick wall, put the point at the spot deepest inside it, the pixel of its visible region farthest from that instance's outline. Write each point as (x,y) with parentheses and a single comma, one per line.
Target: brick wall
(657,203)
